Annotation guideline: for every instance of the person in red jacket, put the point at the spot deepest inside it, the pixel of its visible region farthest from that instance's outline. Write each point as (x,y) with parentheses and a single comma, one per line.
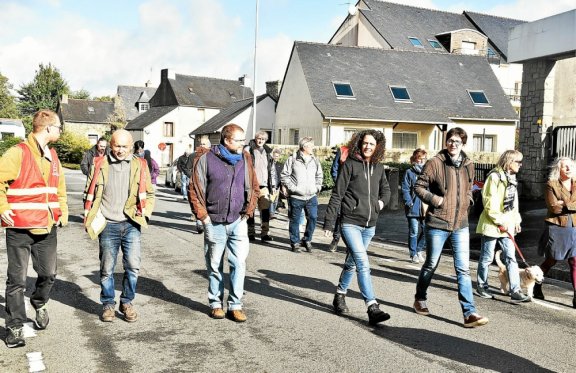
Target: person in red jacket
(32,204)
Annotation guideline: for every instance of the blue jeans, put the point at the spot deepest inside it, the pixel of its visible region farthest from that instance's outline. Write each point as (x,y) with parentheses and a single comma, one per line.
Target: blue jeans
(125,236)
(416,236)
(460,240)
(357,239)
(487,256)
(310,208)
(184,188)
(217,238)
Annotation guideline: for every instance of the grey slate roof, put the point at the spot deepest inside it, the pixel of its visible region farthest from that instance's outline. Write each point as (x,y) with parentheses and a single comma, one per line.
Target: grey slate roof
(149,117)
(199,91)
(224,117)
(11,122)
(436,82)
(86,111)
(496,28)
(130,95)
(396,23)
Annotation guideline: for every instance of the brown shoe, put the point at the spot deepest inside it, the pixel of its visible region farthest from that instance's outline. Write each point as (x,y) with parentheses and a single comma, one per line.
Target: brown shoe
(108,313)
(236,315)
(129,312)
(475,320)
(217,313)
(421,308)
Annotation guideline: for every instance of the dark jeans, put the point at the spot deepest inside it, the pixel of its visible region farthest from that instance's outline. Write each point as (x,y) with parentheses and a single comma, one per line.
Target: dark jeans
(20,243)
(310,208)
(337,228)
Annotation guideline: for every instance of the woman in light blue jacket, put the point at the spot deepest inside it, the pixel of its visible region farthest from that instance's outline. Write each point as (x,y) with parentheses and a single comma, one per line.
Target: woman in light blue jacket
(413,207)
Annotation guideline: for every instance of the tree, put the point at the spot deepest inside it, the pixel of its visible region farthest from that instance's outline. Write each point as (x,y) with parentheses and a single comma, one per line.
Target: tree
(43,92)
(104,98)
(80,94)
(8,108)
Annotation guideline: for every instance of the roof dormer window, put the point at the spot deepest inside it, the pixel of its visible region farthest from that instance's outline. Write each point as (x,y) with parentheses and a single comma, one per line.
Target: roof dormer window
(416,42)
(434,44)
(478,98)
(400,94)
(343,90)
(143,106)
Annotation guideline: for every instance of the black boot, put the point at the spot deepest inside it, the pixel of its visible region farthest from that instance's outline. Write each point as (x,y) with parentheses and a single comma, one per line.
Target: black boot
(376,315)
(538,291)
(340,307)
(574,300)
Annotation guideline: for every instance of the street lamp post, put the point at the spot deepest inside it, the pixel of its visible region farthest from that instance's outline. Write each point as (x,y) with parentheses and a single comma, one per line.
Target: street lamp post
(254,86)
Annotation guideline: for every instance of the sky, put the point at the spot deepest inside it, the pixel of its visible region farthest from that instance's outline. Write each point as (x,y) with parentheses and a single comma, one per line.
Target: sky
(98,45)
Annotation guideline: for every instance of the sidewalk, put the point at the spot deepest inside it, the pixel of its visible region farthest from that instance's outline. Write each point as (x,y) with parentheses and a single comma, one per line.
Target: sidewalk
(392,228)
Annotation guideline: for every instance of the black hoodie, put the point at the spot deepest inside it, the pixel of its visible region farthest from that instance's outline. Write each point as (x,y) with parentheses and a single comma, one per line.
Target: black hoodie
(359,187)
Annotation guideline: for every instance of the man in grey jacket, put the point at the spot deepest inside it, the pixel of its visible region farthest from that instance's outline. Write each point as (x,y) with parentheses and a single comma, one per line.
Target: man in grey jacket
(302,178)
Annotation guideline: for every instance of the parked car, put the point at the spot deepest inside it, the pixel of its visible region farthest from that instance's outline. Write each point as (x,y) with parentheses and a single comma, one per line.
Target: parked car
(173,177)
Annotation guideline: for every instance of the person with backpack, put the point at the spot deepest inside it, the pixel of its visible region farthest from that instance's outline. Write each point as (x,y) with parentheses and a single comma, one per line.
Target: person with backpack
(498,222)
(414,208)
(302,177)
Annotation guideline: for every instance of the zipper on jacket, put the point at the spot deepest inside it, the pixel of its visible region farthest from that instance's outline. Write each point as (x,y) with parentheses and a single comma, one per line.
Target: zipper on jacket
(369,196)
(457,172)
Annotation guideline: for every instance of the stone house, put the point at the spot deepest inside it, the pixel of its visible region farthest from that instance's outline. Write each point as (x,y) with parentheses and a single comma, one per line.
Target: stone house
(87,118)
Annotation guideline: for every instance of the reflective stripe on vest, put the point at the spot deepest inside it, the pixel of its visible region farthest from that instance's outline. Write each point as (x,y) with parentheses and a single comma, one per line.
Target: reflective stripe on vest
(31,199)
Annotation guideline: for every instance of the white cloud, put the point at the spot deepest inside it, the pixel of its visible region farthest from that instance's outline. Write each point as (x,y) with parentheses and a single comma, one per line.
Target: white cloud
(531,10)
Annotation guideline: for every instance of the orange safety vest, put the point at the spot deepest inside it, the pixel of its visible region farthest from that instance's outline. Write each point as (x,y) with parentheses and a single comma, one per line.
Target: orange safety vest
(30,198)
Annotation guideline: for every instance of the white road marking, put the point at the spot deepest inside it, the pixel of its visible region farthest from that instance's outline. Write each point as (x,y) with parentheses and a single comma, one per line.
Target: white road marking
(389,260)
(545,304)
(28,330)
(35,362)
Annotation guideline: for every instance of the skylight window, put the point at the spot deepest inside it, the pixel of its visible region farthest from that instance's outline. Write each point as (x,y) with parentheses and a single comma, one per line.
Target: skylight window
(478,98)
(416,42)
(434,44)
(343,90)
(400,94)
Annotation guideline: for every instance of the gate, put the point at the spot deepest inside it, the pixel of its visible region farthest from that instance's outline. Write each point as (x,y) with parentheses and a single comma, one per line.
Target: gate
(564,142)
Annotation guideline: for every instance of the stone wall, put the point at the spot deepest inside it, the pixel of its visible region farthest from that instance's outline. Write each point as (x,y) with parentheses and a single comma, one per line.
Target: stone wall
(536,125)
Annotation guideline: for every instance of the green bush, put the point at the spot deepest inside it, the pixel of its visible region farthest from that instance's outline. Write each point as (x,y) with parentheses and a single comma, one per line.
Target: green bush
(327,182)
(71,147)
(8,142)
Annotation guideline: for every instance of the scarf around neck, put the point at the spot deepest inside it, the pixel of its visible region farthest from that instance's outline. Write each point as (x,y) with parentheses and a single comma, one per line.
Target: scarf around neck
(229,157)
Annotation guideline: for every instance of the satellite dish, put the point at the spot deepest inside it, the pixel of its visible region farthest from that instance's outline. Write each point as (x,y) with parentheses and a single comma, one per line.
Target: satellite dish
(352,10)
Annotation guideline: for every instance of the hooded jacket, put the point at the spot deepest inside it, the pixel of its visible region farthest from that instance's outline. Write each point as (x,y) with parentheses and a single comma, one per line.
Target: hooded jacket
(412,204)
(440,178)
(360,186)
(302,179)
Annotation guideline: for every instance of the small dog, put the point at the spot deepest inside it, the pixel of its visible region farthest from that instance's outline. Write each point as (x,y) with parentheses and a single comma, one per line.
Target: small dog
(528,277)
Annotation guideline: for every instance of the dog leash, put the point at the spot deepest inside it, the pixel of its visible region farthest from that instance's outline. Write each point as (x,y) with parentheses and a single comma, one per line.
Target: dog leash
(518,249)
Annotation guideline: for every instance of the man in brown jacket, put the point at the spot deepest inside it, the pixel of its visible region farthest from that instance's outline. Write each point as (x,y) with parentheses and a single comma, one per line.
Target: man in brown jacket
(446,186)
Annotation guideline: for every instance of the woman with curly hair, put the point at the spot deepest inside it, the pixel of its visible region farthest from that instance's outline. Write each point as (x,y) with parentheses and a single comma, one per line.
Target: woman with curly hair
(360,193)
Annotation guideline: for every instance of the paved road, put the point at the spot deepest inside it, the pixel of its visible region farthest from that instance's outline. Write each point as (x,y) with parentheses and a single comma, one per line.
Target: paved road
(290,324)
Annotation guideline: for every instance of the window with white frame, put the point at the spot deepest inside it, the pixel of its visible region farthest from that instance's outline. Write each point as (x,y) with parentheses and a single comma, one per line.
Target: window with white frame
(484,143)
(143,107)
(478,98)
(400,94)
(416,42)
(295,136)
(168,129)
(404,140)
(343,90)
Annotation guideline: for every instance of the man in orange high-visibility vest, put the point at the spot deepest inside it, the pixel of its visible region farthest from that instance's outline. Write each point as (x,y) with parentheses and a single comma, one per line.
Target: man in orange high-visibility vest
(32,204)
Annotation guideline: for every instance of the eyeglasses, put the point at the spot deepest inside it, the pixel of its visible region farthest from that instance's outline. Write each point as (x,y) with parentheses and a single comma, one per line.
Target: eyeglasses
(59,127)
(454,142)
(239,140)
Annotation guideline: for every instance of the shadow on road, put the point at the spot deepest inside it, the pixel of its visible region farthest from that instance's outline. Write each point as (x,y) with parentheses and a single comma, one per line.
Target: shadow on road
(458,349)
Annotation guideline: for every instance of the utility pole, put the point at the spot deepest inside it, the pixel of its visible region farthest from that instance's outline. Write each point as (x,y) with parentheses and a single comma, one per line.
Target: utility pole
(254,86)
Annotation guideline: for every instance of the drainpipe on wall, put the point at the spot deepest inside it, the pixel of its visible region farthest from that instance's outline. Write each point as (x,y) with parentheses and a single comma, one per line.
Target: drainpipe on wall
(328,132)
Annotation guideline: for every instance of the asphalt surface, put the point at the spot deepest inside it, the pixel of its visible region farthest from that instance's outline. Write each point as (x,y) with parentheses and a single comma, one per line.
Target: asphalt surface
(291,326)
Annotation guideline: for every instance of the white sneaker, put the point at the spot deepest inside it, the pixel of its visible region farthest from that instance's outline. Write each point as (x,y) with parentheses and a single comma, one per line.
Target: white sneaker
(415,259)
(422,256)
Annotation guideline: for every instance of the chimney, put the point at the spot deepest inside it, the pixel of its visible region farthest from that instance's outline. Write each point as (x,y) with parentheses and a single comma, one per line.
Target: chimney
(273,89)
(148,83)
(64,99)
(167,74)
(242,80)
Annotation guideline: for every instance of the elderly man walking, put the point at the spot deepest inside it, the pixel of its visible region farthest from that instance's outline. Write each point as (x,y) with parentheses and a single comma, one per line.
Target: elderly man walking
(223,193)
(302,177)
(119,203)
(32,203)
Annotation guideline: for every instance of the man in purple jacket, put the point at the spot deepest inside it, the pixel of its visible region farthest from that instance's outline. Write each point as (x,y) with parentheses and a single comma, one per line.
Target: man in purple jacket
(223,192)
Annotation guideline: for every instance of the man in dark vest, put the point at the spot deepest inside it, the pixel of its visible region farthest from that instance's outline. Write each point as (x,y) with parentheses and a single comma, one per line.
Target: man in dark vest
(223,192)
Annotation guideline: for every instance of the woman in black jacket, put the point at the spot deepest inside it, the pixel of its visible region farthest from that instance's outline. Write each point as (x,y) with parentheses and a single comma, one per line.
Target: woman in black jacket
(360,193)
